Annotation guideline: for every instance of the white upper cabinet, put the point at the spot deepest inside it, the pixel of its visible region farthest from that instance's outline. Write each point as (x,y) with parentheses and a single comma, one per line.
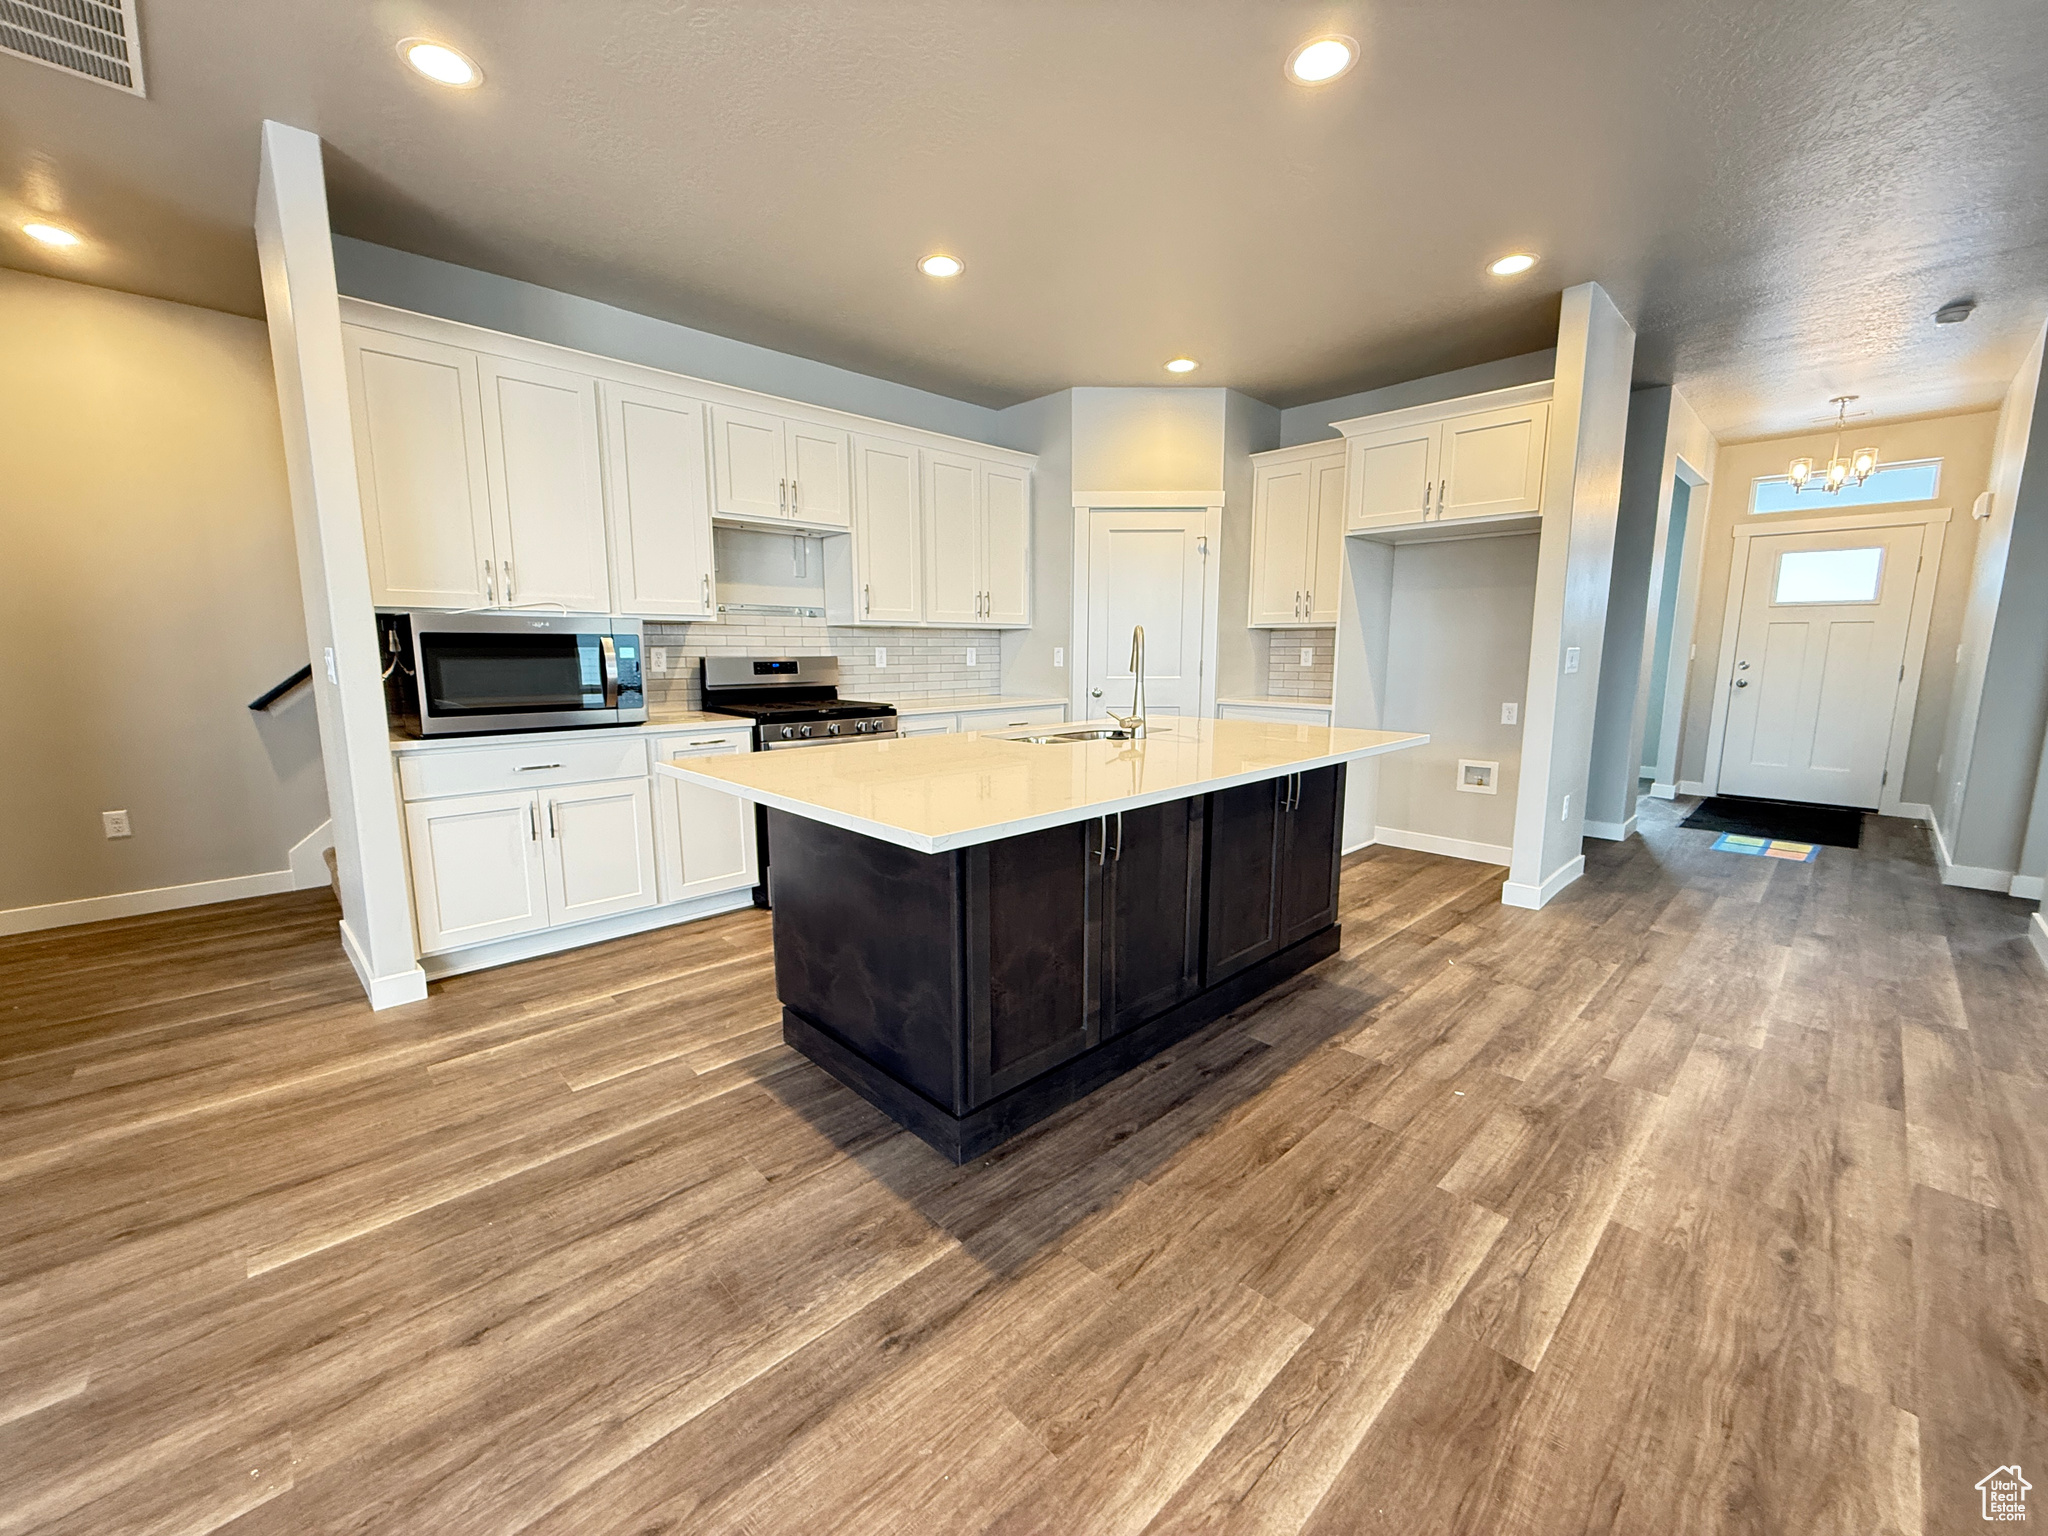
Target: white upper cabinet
(952,539)
(1297,530)
(547,486)
(1493,462)
(772,469)
(1465,462)
(1006,545)
(977,542)
(659,503)
(420,465)
(888,533)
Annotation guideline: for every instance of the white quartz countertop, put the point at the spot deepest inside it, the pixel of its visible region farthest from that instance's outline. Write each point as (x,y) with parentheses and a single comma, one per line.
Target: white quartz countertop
(936,793)
(657,722)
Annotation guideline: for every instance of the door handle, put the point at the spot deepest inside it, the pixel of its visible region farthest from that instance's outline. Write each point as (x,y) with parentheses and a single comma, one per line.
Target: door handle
(508,581)
(1101,839)
(551,819)
(796,500)
(782,498)
(1094,693)
(490,587)
(1742,682)
(1118,856)
(532,821)
(1443,497)
(707,591)
(534,767)
(867,600)
(608,661)
(1427,487)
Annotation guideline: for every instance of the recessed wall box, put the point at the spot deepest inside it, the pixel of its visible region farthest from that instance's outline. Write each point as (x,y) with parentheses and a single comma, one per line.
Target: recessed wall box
(1476,778)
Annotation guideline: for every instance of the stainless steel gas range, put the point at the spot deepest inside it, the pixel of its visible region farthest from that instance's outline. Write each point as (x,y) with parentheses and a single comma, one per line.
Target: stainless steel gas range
(793,701)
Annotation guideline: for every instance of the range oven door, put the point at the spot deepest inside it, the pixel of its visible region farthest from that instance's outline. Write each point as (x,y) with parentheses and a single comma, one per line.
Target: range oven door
(501,673)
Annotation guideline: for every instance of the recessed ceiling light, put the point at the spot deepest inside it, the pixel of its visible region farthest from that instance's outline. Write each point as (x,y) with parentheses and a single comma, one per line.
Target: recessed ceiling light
(1182,365)
(49,234)
(937,265)
(1321,60)
(440,63)
(1513,266)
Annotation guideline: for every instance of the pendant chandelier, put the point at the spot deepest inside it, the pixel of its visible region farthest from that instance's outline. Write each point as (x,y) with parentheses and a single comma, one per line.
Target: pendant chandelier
(1853,470)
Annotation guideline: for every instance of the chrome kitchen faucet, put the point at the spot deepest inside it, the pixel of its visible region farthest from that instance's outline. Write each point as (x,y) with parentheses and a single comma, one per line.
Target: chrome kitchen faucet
(1134,722)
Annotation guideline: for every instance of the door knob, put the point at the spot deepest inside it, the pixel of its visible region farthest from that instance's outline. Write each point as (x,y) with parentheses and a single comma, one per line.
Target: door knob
(1094,693)
(1742,682)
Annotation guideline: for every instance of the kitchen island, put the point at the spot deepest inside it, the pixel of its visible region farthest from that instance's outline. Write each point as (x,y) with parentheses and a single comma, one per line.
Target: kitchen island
(974,931)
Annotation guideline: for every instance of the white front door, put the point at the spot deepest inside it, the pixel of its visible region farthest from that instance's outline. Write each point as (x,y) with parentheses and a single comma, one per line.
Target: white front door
(1819,656)
(1147,568)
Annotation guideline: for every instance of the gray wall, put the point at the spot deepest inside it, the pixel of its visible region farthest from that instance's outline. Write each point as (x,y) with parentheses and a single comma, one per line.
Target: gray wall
(1249,426)
(1307,423)
(149,560)
(430,287)
(1045,427)
(1666,610)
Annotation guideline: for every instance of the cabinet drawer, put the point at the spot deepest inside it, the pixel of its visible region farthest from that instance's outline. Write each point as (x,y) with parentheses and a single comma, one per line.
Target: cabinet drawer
(1290,714)
(535,763)
(927,725)
(1004,719)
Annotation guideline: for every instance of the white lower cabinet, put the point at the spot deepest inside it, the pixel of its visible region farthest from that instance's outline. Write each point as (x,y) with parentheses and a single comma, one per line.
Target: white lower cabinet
(705,837)
(599,849)
(927,725)
(1011,719)
(478,872)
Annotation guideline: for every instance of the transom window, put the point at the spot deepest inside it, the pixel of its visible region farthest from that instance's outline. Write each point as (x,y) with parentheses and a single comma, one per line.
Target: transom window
(1829,576)
(1915,480)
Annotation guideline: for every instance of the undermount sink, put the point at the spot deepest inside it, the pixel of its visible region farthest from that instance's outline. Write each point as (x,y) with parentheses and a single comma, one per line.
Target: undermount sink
(1089,733)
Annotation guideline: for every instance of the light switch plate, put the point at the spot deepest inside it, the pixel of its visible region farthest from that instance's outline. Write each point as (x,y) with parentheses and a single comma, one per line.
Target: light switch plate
(1571,659)
(1566,813)
(881,656)
(1308,655)
(970,655)
(1510,713)
(1059,656)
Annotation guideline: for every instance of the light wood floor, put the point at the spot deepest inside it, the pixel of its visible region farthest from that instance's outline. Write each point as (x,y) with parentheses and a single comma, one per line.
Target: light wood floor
(1712,1199)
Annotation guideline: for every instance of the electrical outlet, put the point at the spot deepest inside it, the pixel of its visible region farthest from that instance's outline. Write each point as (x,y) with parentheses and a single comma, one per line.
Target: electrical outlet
(1566,813)
(1571,659)
(1059,656)
(1308,655)
(970,655)
(1510,713)
(115,824)
(657,658)
(881,656)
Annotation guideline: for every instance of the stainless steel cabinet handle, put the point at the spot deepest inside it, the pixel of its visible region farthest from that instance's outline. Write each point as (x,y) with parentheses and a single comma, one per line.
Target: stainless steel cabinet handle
(532,821)
(1101,839)
(707,591)
(534,767)
(1119,855)
(867,600)
(1443,497)
(551,818)
(490,587)
(508,580)
(1427,487)
(782,498)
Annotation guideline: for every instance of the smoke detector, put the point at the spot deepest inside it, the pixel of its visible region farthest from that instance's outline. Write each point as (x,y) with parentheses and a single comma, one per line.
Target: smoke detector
(97,40)
(1955,312)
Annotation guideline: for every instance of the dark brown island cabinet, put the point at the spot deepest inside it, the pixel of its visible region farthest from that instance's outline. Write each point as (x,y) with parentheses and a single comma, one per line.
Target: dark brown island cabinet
(971,993)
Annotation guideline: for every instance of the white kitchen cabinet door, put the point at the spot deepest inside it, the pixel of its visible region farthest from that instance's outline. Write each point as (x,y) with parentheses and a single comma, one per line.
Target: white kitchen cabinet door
(1283,526)
(749,469)
(478,872)
(1492,463)
(599,845)
(928,725)
(547,486)
(1326,540)
(1005,546)
(820,475)
(419,442)
(705,837)
(1393,476)
(659,504)
(888,533)
(952,539)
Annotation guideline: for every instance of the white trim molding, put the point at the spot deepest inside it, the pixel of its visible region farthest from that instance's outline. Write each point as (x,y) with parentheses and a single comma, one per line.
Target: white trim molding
(308,859)
(1448,847)
(1612,831)
(1698,787)
(1149,501)
(1663,791)
(2037,935)
(383,991)
(550,941)
(1919,617)
(164,898)
(1970,877)
(1914,810)
(1515,893)
(2030,887)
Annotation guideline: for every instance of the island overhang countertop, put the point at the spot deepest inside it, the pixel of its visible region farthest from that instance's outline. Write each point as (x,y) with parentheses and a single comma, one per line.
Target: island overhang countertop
(933,794)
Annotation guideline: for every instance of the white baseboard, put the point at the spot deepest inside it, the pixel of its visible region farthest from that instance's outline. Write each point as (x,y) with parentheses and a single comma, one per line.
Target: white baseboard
(1970,877)
(407,986)
(167,898)
(1913,810)
(1693,787)
(1516,894)
(1612,831)
(1363,843)
(552,941)
(2037,935)
(308,860)
(1449,847)
(2030,887)
(1663,791)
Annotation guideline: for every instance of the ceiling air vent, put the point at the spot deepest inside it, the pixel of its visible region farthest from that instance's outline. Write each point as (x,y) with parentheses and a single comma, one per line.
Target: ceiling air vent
(97,40)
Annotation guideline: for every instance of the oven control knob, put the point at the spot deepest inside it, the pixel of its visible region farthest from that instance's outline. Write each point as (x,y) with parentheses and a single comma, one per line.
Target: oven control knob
(803,730)
(861,727)
(788,731)
(832,730)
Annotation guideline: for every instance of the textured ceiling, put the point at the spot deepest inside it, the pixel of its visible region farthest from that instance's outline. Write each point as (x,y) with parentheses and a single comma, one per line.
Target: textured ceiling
(1777,194)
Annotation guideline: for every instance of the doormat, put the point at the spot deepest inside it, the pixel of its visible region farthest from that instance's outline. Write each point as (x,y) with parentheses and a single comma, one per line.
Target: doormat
(1767,847)
(1834,826)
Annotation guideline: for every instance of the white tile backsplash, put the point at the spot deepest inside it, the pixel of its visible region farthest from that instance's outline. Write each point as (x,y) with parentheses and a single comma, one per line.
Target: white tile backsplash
(923,663)
(1286,677)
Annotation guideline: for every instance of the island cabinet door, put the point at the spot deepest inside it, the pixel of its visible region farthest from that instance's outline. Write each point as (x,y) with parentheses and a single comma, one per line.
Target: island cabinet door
(1034,945)
(1152,912)
(1312,821)
(1244,842)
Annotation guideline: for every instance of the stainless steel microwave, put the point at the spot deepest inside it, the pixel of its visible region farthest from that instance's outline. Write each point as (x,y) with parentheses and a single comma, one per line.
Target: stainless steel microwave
(450,674)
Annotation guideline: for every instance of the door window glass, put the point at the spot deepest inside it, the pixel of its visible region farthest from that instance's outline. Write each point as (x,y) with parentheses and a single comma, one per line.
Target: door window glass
(1829,575)
(1916,481)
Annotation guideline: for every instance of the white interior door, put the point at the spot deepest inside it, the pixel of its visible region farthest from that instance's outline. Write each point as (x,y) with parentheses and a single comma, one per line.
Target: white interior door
(1147,568)
(1819,657)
